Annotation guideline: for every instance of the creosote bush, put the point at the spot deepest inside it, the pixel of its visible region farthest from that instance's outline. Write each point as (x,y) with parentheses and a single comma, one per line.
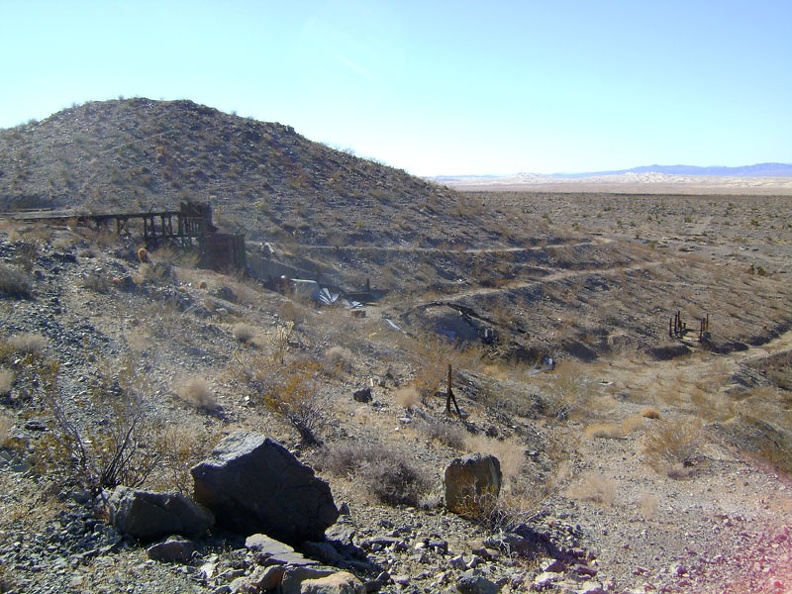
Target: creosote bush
(295,392)
(120,448)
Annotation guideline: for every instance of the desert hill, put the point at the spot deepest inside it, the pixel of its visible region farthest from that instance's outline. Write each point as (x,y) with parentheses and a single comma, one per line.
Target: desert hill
(139,154)
(635,460)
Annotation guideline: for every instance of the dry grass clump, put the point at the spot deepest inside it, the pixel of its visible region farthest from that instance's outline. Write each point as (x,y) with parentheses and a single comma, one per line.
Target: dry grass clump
(389,473)
(6,381)
(614,430)
(407,397)
(15,283)
(6,425)
(651,412)
(198,393)
(594,487)
(338,359)
(28,343)
(447,432)
(244,333)
(669,445)
(509,452)
(647,503)
(605,431)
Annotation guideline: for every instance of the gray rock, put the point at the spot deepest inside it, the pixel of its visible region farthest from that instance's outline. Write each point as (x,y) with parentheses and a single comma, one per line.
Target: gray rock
(148,516)
(261,579)
(471,482)
(363,395)
(253,484)
(295,576)
(337,583)
(172,551)
(470,583)
(268,551)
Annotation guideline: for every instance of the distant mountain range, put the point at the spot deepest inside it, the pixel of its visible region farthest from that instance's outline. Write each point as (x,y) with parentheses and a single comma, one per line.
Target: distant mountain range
(758,170)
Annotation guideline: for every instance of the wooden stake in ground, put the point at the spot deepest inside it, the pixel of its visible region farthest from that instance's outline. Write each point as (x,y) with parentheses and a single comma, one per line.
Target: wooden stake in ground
(450,395)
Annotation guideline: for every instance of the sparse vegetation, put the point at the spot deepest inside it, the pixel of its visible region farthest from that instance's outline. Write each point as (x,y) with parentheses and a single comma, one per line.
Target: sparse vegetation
(244,333)
(6,381)
(672,446)
(552,316)
(198,393)
(15,283)
(389,474)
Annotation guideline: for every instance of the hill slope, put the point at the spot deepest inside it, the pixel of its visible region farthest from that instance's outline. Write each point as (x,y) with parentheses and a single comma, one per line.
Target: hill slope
(264,178)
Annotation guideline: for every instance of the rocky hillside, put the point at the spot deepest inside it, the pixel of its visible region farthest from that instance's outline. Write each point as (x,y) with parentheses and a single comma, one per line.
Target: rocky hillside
(624,475)
(264,178)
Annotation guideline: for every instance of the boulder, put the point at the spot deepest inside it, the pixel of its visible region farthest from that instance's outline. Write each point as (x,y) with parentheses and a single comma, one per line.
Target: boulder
(172,551)
(471,482)
(253,484)
(472,583)
(268,551)
(149,516)
(362,395)
(294,577)
(342,582)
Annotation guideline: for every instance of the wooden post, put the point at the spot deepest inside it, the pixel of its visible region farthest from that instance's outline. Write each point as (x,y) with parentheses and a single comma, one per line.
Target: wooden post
(450,395)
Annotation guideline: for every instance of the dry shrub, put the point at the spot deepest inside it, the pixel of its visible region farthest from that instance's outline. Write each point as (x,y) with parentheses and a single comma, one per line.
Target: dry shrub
(244,333)
(407,397)
(431,357)
(614,430)
(183,446)
(572,391)
(118,449)
(669,445)
(604,431)
(6,381)
(15,283)
(444,431)
(594,487)
(389,473)
(154,274)
(509,452)
(647,503)
(651,412)
(295,392)
(28,344)
(338,359)
(198,393)
(97,281)
(6,425)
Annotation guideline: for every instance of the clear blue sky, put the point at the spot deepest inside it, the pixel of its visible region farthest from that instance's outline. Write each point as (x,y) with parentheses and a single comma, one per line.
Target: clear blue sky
(434,87)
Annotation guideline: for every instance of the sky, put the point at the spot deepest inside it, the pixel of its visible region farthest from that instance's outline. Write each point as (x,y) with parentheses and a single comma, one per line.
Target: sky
(435,87)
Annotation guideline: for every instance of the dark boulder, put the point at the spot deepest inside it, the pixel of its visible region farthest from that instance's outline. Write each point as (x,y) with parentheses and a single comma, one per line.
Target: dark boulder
(253,484)
(148,516)
(471,484)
